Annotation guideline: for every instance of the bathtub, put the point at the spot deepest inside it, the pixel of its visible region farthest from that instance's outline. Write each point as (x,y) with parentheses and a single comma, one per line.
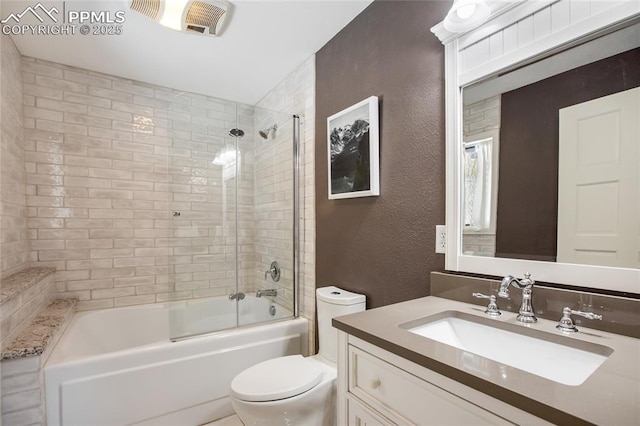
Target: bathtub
(119,366)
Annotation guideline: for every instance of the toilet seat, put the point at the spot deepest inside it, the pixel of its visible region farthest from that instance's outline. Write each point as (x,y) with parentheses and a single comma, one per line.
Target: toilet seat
(275,379)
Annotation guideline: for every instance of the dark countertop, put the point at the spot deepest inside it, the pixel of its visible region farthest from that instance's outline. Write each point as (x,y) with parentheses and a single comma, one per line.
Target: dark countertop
(610,396)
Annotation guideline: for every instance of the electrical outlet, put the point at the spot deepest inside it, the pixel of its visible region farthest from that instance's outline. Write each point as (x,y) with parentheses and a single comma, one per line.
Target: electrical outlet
(441,238)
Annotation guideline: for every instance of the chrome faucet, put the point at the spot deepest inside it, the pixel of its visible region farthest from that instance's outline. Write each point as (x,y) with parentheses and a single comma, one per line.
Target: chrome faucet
(492,308)
(566,323)
(268,292)
(526,313)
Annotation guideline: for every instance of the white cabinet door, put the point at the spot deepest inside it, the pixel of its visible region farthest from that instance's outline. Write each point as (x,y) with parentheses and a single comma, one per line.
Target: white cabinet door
(599,182)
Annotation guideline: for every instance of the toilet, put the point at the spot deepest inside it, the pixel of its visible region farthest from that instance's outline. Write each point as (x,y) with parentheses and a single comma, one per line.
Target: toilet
(294,390)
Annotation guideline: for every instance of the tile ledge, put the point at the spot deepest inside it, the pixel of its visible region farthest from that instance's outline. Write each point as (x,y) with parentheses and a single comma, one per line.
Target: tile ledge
(16,284)
(34,339)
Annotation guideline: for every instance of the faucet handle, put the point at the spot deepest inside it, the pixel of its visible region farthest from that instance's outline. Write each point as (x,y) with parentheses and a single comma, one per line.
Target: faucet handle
(492,308)
(566,323)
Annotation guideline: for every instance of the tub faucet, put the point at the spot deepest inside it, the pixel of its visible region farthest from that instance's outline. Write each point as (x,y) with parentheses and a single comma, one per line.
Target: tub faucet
(526,313)
(268,292)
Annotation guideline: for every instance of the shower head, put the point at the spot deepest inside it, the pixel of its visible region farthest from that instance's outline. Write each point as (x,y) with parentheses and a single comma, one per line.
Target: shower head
(271,130)
(236,133)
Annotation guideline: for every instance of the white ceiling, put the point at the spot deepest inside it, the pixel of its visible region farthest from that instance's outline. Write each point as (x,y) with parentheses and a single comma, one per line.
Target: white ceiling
(264,40)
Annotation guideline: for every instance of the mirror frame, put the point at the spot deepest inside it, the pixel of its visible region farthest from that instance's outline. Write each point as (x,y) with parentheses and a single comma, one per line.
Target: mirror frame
(519,33)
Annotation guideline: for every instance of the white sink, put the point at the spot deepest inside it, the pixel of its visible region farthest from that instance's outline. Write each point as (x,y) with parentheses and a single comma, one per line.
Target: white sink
(537,354)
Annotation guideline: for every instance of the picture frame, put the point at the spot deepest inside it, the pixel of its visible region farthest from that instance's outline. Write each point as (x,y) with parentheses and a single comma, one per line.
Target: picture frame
(353,137)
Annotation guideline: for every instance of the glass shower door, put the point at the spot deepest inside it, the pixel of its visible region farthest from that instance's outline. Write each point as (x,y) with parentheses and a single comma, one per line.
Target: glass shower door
(206,181)
(234,198)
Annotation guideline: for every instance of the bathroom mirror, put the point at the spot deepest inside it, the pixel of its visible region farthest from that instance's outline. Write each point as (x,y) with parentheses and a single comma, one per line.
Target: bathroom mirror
(522,123)
(555,192)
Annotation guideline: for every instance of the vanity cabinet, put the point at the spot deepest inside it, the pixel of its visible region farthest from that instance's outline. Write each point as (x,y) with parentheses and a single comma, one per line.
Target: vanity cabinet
(377,387)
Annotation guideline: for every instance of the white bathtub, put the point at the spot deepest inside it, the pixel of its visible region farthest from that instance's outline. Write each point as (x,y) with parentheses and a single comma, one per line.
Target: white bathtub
(118,366)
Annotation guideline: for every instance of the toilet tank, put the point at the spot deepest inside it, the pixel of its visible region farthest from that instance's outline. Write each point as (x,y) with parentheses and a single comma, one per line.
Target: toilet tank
(333,302)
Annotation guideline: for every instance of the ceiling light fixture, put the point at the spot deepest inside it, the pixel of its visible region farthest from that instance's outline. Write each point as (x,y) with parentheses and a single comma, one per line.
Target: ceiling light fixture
(172,15)
(465,15)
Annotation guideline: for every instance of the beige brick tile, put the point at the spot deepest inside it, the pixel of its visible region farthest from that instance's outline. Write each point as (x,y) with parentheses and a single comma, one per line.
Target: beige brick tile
(50,169)
(86,305)
(42,92)
(132,204)
(73,265)
(110,134)
(50,104)
(110,113)
(135,89)
(86,161)
(42,69)
(110,213)
(112,273)
(87,202)
(133,223)
(114,194)
(134,300)
(111,233)
(88,223)
(87,100)
(71,117)
(134,261)
(63,234)
(87,182)
(132,108)
(88,244)
(89,80)
(45,114)
(113,293)
(135,243)
(89,284)
(55,126)
(110,154)
(111,253)
(135,281)
(62,212)
(88,141)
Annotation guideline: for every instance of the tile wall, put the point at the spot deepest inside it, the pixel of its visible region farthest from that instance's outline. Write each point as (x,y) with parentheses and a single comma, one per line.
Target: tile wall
(130,187)
(14,243)
(126,193)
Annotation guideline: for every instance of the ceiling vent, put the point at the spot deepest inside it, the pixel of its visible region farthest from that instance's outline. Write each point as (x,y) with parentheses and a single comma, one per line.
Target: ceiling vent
(196,16)
(148,8)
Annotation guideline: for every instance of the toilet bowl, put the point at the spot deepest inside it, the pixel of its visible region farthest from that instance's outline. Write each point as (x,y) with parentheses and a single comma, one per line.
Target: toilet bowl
(295,390)
(290,390)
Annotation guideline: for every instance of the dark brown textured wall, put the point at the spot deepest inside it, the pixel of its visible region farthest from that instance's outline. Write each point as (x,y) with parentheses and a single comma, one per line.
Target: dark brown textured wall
(528,182)
(383,246)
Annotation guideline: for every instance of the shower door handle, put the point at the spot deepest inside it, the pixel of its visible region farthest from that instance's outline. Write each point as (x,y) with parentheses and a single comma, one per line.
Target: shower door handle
(236,296)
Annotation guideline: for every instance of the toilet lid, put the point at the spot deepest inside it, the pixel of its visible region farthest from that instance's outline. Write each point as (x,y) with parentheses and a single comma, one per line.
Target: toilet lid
(275,379)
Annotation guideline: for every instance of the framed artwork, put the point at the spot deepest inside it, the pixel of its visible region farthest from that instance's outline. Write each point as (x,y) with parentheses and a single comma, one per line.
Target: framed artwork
(353,151)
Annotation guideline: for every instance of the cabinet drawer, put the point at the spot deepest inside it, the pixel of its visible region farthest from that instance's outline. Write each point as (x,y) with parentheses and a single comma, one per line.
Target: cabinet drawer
(405,398)
(361,416)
